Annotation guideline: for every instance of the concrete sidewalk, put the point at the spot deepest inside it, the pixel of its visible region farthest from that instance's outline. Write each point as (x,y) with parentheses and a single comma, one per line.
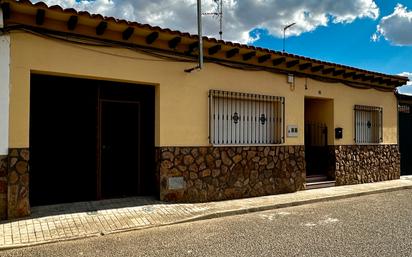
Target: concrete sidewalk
(73,221)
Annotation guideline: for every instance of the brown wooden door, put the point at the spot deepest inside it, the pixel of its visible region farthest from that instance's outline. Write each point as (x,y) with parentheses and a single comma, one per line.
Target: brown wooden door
(120,155)
(316,149)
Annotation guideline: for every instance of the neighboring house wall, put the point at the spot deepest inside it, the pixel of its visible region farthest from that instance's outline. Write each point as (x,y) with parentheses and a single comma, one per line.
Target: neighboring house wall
(4,93)
(4,118)
(405,136)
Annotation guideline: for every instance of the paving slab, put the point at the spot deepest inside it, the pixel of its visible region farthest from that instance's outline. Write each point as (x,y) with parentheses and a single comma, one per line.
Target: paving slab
(56,223)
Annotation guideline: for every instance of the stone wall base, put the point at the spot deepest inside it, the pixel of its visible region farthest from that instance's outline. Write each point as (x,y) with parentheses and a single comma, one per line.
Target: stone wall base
(199,174)
(18,183)
(356,164)
(14,184)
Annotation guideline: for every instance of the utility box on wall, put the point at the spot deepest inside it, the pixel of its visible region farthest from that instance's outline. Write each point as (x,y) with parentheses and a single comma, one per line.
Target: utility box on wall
(338,133)
(292,130)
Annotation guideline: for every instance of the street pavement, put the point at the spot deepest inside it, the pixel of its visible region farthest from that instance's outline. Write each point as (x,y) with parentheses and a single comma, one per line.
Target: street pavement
(370,225)
(57,223)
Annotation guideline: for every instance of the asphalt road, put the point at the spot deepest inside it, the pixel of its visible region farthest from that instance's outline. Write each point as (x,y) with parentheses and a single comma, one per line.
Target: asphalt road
(374,225)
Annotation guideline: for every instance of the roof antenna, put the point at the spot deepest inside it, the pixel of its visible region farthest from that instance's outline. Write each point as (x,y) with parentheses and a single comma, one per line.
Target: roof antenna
(284,33)
(218,13)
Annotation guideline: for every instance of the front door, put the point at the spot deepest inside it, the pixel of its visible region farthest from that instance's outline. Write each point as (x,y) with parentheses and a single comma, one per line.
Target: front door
(120,149)
(316,149)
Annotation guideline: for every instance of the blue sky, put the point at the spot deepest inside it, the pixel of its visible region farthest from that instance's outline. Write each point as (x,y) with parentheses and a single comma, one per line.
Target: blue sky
(350,44)
(369,34)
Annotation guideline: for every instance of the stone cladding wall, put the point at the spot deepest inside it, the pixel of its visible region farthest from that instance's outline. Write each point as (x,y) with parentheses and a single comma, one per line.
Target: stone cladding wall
(18,183)
(3,187)
(331,159)
(198,174)
(356,164)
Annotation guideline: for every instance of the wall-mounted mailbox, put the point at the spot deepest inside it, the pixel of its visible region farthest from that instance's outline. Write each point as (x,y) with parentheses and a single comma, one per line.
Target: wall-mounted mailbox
(292,130)
(338,133)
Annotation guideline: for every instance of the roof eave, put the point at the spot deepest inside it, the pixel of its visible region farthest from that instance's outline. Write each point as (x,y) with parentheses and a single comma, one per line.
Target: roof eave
(55,18)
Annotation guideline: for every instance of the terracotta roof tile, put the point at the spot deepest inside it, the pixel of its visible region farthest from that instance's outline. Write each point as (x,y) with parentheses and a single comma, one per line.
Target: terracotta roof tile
(194,37)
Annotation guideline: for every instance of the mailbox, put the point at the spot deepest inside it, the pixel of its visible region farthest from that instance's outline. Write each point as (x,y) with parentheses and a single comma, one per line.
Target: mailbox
(338,133)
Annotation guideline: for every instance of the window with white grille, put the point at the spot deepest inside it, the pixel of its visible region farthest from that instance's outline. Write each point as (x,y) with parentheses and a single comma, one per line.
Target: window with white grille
(404,108)
(245,119)
(368,124)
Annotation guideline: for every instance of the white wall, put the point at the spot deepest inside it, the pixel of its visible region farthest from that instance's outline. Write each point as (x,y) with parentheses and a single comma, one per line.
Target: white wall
(4,93)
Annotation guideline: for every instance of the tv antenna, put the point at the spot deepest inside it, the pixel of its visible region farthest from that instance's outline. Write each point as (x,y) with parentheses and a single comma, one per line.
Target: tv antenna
(219,14)
(284,33)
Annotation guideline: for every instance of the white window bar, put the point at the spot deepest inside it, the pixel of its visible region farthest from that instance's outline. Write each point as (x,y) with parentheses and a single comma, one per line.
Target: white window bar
(245,119)
(368,124)
(404,108)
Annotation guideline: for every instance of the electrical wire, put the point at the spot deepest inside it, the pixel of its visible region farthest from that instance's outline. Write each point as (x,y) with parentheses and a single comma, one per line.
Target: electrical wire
(170,57)
(90,42)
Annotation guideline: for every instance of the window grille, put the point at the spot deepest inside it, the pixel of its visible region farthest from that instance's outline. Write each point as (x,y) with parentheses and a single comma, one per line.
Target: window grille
(404,108)
(245,119)
(316,134)
(368,124)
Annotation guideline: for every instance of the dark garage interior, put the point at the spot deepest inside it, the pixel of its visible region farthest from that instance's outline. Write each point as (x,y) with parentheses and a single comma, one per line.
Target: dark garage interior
(90,140)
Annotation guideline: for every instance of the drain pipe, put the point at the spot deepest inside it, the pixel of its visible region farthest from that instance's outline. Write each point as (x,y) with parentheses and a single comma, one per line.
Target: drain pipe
(200,36)
(200,32)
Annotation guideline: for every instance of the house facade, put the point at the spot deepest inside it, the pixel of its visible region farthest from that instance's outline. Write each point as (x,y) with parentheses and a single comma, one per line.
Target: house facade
(95,108)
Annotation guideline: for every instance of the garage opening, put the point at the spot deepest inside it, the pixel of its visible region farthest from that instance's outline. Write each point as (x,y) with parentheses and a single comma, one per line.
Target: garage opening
(90,140)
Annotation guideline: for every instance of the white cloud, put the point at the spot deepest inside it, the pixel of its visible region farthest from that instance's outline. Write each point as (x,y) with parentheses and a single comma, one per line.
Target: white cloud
(407,89)
(409,75)
(396,27)
(240,16)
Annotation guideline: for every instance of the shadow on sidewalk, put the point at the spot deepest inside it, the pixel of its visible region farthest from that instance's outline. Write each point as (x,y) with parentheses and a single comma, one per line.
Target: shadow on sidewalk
(92,207)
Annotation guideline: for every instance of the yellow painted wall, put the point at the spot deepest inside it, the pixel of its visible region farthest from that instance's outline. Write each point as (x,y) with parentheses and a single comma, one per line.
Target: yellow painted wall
(181,98)
(344,99)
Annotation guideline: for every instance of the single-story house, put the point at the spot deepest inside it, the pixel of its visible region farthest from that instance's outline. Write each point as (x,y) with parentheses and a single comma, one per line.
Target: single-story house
(93,107)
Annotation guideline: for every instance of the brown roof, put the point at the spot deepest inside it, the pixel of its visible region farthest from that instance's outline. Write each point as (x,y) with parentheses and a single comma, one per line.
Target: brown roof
(246,54)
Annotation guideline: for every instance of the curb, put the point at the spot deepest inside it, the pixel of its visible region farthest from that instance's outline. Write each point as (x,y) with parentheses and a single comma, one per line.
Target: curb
(285,205)
(219,214)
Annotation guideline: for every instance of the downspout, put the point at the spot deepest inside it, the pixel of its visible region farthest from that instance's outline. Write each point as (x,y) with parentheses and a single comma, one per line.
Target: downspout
(398,142)
(200,32)
(200,38)
(397,116)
